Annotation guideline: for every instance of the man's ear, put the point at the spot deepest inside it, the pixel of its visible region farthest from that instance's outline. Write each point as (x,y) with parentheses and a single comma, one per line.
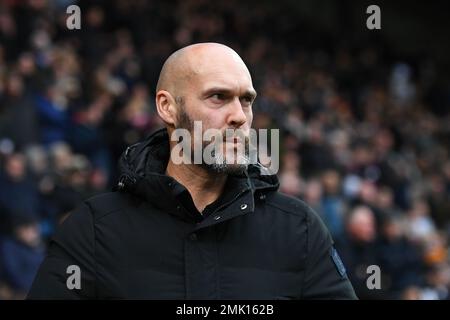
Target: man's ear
(166,106)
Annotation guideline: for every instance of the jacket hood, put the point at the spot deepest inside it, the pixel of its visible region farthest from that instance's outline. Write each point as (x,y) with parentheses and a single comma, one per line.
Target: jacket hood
(142,170)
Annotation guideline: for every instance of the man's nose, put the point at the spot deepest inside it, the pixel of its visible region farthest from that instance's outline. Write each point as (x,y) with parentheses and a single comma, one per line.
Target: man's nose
(237,117)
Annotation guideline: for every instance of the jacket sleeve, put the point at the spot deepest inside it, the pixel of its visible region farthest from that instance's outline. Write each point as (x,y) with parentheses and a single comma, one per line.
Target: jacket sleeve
(68,271)
(325,275)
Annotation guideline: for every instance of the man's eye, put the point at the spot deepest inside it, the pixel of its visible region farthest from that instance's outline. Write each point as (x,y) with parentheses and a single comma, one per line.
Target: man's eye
(247,100)
(218,96)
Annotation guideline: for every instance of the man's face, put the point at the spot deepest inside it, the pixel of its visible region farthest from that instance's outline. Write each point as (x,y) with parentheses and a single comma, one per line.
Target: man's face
(220,95)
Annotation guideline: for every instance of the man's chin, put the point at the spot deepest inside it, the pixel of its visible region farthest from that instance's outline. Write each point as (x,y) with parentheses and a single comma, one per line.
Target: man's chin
(232,169)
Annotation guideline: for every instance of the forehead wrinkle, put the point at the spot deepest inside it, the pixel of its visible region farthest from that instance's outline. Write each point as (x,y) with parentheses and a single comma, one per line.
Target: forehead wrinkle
(192,64)
(239,90)
(219,65)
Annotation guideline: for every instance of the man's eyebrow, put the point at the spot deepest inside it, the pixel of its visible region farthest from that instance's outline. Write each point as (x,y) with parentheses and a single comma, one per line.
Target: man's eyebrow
(214,90)
(248,93)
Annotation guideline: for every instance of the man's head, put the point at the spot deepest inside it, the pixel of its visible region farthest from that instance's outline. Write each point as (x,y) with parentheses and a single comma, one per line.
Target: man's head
(27,230)
(207,82)
(16,166)
(361,224)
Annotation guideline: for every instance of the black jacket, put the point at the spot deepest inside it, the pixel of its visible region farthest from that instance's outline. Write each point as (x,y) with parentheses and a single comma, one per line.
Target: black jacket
(147,240)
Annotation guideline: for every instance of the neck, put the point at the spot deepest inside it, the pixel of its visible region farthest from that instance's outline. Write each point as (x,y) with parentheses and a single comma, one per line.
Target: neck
(205,187)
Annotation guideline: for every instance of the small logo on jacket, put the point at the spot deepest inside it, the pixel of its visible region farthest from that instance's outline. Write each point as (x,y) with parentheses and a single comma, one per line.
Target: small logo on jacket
(338,262)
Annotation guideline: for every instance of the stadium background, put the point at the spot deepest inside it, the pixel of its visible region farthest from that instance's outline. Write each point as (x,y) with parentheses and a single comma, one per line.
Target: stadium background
(364,119)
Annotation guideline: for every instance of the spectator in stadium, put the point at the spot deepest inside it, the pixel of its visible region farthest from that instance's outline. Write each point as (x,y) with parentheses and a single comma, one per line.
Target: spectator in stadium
(401,261)
(358,249)
(21,254)
(19,193)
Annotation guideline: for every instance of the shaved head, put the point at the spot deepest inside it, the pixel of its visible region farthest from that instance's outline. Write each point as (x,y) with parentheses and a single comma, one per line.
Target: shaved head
(184,64)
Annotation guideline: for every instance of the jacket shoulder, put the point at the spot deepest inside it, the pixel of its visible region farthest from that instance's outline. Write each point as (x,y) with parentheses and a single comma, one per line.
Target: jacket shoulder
(289,204)
(109,202)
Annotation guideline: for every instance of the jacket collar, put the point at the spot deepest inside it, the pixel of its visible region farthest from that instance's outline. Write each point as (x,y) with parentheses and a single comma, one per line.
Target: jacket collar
(142,167)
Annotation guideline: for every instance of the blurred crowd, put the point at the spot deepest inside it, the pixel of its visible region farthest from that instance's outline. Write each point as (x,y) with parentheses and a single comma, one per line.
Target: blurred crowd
(364,133)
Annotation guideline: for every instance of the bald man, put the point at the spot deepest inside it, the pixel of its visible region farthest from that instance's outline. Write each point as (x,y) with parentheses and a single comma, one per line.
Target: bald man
(192,229)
